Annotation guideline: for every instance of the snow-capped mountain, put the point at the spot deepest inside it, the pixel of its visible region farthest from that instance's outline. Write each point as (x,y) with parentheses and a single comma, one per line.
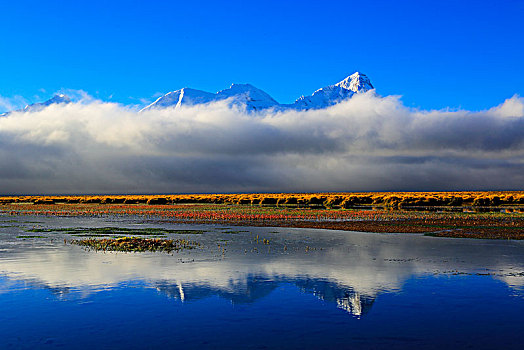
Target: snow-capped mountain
(185,96)
(56,99)
(248,95)
(240,94)
(333,94)
(255,99)
(35,107)
(243,95)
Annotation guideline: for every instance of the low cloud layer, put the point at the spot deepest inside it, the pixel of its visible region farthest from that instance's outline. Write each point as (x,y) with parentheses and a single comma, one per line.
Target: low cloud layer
(368,143)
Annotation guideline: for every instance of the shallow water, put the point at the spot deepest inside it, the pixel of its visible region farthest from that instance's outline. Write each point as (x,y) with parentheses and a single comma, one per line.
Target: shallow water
(305,288)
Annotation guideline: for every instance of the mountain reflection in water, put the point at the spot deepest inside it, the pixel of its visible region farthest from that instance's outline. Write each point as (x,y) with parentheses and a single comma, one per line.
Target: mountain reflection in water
(257,287)
(346,269)
(305,277)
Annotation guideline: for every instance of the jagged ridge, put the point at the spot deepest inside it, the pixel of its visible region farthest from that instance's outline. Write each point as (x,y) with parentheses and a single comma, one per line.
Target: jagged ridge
(254,99)
(243,95)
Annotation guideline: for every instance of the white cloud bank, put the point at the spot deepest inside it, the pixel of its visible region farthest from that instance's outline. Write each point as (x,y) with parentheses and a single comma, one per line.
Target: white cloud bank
(367,143)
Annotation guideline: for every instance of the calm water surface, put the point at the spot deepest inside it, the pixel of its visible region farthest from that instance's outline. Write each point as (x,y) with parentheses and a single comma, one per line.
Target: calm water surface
(306,289)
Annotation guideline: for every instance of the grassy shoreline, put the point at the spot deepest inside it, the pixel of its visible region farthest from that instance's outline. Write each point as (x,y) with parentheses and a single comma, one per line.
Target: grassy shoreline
(491,225)
(332,200)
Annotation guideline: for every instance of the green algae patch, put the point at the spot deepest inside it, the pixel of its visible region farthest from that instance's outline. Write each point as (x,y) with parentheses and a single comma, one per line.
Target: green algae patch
(30,236)
(136,244)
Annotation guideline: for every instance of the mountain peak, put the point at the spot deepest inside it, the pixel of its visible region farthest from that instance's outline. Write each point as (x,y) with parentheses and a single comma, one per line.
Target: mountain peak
(58,98)
(35,107)
(246,94)
(242,86)
(356,82)
(333,94)
(185,96)
(254,99)
(235,89)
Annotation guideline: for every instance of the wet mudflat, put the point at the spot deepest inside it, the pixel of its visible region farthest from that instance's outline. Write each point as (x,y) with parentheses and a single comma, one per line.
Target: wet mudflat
(253,287)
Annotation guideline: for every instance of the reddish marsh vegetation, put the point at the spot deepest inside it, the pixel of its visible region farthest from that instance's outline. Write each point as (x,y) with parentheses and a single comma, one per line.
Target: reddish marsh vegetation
(496,224)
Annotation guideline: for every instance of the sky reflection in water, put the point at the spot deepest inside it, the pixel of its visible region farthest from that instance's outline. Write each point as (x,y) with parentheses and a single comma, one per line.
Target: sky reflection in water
(306,289)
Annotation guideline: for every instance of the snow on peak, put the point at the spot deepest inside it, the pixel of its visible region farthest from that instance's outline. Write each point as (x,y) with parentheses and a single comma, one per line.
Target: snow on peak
(58,98)
(35,107)
(246,94)
(356,82)
(239,94)
(333,94)
(241,87)
(184,96)
(253,99)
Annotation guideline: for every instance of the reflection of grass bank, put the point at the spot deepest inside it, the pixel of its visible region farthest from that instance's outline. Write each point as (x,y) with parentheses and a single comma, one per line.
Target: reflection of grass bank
(136,244)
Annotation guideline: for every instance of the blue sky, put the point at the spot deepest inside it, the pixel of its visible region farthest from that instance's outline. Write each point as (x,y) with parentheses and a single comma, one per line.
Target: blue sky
(436,54)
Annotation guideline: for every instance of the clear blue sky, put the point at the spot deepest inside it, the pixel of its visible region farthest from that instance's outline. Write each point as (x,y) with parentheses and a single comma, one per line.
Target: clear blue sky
(436,54)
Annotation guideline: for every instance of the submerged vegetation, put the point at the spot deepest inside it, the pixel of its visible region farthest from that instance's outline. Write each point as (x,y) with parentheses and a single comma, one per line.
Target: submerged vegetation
(136,244)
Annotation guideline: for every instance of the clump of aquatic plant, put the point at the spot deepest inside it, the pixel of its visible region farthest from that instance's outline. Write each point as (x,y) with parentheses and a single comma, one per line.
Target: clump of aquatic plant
(136,244)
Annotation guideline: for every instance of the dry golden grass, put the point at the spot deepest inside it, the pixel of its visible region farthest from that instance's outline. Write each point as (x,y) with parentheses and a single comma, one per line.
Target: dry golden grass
(329,200)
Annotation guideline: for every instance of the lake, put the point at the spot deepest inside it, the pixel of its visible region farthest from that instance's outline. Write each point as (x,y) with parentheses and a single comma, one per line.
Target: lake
(257,288)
